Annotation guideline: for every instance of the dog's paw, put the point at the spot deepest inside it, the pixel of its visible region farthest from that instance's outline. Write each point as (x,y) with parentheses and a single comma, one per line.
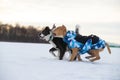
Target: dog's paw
(80,60)
(91,60)
(53,53)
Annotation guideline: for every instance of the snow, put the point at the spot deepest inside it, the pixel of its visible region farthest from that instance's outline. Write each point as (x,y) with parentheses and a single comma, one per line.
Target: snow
(28,61)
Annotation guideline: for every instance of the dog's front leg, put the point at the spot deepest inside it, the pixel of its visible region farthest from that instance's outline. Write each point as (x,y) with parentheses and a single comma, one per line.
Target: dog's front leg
(52,51)
(79,58)
(62,52)
(74,54)
(95,53)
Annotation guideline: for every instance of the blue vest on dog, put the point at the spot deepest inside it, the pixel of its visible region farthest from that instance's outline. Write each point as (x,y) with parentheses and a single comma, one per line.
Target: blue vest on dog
(69,38)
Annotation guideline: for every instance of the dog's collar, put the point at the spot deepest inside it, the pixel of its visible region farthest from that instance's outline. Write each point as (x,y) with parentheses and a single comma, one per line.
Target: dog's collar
(50,38)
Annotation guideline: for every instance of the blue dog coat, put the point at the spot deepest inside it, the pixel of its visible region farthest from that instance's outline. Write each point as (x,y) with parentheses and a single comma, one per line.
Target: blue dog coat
(69,38)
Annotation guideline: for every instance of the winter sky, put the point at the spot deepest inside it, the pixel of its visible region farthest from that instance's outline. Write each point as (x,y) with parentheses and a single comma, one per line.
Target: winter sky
(60,11)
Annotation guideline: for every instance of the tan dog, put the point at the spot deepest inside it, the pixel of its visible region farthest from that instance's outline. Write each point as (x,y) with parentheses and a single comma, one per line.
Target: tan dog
(94,54)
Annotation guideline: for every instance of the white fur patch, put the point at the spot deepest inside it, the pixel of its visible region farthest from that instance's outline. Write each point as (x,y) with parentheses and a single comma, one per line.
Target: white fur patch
(42,35)
(59,36)
(52,44)
(47,37)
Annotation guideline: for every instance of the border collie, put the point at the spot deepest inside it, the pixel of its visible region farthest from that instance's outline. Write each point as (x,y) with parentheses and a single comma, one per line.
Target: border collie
(57,42)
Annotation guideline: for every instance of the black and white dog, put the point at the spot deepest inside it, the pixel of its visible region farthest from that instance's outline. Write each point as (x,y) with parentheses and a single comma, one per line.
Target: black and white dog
(57,42)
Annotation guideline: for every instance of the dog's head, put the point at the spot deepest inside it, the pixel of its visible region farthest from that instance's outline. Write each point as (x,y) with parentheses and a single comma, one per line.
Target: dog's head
(46,34)
(60,31)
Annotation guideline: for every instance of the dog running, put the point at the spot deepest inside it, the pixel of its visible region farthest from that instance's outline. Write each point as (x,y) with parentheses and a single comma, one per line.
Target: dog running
(79,44)
(57,42)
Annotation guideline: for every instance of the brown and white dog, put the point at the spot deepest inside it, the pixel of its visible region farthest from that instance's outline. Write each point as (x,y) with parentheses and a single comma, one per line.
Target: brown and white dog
(94,53)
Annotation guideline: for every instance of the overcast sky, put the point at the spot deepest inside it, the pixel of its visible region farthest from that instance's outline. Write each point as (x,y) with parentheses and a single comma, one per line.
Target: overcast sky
(68,12)
(60,11)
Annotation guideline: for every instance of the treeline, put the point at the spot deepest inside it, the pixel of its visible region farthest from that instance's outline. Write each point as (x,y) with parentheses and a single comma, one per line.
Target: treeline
(19,33)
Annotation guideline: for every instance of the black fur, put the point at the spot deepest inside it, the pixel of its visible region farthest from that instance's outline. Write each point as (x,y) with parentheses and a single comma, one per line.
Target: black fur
(83,39)
(58,42)
(61,45)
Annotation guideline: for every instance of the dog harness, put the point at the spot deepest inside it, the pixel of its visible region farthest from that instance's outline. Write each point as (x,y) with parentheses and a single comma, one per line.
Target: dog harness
(69,38)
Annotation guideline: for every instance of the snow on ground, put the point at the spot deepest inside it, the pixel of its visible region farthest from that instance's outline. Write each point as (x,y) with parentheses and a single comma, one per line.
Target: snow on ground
(25,61)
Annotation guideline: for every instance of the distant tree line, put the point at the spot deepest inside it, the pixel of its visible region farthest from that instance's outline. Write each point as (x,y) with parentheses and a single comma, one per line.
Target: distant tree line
(19,33)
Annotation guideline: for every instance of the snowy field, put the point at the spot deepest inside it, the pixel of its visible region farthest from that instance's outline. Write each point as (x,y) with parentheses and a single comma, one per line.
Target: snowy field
(25,61)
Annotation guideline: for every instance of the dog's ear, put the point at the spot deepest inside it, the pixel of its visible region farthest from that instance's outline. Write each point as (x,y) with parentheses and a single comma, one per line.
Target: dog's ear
(47,28)
(53,27)
(63,25)
(64,29)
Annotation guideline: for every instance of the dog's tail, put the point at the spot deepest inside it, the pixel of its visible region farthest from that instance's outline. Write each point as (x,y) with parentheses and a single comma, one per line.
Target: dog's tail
(108,47)
(77,29)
